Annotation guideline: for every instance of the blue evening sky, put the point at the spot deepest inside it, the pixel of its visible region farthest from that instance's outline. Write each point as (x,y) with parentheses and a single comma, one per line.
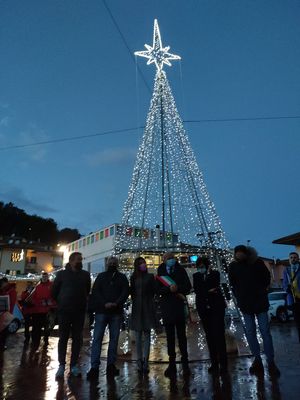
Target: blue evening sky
(65,71)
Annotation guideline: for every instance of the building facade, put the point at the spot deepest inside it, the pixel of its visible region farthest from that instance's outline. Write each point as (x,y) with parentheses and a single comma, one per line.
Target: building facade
(18,257)
(98,246)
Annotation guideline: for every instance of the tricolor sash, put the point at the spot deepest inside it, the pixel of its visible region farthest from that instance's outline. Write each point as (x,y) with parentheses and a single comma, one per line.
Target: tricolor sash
(165,280)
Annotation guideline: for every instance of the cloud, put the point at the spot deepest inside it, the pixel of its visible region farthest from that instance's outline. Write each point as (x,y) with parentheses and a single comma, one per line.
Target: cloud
(20,199)
(4,121)
(116,156)
(32,135)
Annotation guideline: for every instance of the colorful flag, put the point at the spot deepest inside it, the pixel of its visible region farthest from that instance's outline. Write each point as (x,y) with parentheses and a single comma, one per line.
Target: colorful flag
(165,280)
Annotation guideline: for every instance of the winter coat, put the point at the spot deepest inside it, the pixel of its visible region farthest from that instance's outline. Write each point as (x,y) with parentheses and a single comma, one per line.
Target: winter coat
(70,290)
(10,291)
(249,282)
(207,301)
(142,290)
(172,305)
(26,305)
(41,298)
(109,287)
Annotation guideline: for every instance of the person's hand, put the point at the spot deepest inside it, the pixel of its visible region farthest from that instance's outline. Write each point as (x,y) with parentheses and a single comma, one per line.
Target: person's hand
(213,290)
(110,305)
(173,288)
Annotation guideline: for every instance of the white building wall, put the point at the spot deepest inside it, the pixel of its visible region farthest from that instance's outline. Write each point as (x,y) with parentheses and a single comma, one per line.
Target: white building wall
(94,247)
(6,260)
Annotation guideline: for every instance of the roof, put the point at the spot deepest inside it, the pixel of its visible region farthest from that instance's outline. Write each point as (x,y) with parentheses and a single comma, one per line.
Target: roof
(19,243)
(291,240)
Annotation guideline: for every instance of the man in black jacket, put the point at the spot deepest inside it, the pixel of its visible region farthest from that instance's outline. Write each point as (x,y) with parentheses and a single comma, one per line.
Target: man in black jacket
(250,278)
(70,290)
(172,302)
(109,294)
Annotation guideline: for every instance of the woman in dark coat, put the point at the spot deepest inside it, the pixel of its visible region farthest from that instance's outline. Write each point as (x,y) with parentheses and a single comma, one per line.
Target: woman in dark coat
(210,304)
(172,303)
(142,289)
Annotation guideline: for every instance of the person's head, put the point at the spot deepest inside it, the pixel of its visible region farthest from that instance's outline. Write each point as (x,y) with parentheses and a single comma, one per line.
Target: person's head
(140,265)
(240,252)
(252,254)
(112,263)
(202,264)
(294,258)
(45,277)
(169,259)
(75,260)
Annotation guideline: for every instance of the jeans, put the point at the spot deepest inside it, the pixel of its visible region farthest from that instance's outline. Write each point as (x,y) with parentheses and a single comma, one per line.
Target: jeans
(70,323)
(114,324)
(142,355)
(182,341)
(296,312)
(264,327)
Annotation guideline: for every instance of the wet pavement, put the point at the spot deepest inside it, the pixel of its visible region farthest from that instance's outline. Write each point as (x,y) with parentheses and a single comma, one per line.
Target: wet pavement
(30,375)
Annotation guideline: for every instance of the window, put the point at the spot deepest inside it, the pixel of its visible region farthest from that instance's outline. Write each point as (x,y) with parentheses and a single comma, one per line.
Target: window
(32,260)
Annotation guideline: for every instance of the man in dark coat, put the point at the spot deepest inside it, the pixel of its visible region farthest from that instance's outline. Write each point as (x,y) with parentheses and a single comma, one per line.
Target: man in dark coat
(250,278)
(110,291)
(70,290)
(173,303)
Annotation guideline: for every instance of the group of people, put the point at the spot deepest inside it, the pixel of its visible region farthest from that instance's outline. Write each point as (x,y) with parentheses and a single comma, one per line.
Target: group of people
(249,279)
(36,303)
(110,291)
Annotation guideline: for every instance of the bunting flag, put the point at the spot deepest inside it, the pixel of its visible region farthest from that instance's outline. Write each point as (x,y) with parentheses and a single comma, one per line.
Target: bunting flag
(165,280)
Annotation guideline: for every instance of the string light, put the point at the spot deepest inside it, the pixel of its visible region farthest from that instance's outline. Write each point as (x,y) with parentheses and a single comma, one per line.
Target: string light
(168,205)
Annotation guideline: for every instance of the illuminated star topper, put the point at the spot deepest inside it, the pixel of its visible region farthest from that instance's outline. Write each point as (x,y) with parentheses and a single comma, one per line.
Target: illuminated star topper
(157,54)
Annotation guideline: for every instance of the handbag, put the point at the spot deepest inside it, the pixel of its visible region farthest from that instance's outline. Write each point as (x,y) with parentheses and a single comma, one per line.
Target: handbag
(5,319)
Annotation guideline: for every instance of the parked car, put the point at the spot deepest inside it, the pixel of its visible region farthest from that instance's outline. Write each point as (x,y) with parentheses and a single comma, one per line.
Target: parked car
(17,322)
(278,308)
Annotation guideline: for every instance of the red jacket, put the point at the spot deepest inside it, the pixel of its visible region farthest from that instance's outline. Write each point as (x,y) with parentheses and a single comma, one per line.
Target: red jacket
(26,306)
(10,290)
(41,298)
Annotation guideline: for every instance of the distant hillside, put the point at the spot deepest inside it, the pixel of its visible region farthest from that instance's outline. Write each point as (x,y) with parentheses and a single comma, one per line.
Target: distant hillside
(14,220)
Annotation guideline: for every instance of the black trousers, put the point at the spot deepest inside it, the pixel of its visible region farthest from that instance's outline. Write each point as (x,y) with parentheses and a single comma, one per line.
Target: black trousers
(38,324)
(182,341)
(70,323)
(27,324)
(3,336)
(214,328)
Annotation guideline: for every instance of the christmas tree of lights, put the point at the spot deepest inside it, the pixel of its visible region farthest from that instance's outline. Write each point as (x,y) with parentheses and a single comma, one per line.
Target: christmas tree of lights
(168,206)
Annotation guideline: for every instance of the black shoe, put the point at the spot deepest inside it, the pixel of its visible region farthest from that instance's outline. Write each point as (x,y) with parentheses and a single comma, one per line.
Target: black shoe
(186,369)
(171,371)
(213,369)
(223,370)
(256,367)
(273,369)
(145,367)
(111,370)
(92,374)
(140,366)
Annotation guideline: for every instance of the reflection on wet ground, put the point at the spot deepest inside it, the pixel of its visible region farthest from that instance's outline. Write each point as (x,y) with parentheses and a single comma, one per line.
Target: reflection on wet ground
(26,374)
